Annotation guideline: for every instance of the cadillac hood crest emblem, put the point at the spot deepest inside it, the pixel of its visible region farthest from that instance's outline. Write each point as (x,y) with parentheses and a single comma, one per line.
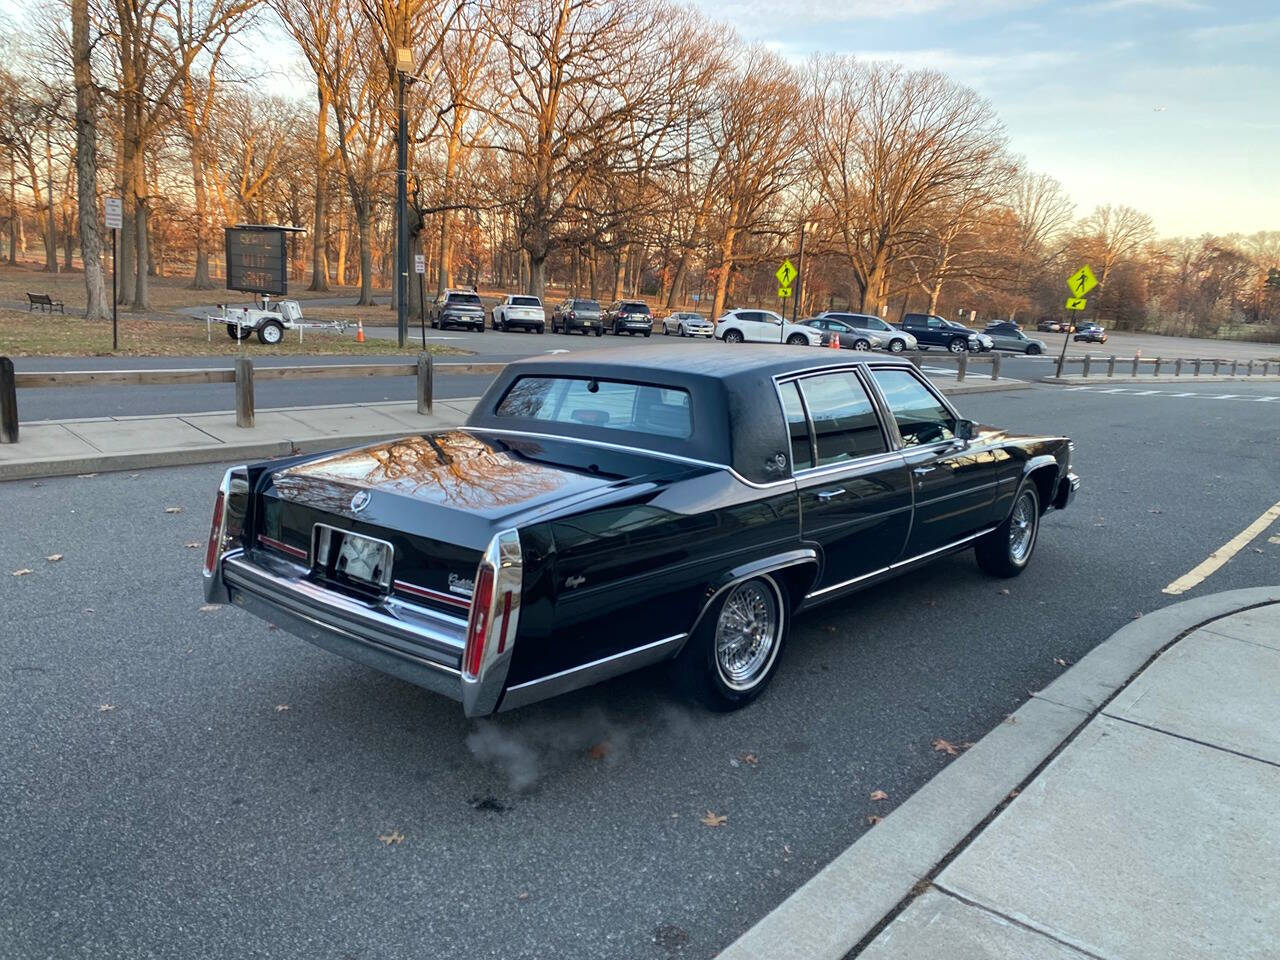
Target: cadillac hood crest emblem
(360,501)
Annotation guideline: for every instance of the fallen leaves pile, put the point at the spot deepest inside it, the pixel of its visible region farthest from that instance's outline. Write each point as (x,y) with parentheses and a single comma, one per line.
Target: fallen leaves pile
(714,820)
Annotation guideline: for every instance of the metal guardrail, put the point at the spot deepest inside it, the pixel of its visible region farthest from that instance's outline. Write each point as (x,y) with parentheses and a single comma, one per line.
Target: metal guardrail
(243,375)
(1177,366)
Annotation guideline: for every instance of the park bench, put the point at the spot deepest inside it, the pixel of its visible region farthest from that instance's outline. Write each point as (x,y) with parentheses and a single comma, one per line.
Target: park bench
(45,302)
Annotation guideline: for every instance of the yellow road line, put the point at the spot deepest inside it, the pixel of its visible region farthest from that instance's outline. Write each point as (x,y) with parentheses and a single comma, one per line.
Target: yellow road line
(1224,553)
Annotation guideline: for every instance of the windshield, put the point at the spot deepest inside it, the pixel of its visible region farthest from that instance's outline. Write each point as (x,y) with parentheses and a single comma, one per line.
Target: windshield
(643,408)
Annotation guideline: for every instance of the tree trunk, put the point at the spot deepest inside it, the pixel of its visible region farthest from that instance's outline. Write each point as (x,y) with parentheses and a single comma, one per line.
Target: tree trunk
(595,274)
(15,218)
(726,265)
(128,243)
(365,227)
(537,276)
(342,240)
(320,225)
(677,284)
(201,281)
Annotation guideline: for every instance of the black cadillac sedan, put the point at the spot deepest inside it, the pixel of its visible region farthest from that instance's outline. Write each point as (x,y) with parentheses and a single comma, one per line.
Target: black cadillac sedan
(599,514)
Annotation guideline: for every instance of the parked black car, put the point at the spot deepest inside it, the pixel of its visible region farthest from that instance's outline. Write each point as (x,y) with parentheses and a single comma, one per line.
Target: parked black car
(630,317)
(457,308)
(577,314)
(578,526)
(934,331)
(1090,333)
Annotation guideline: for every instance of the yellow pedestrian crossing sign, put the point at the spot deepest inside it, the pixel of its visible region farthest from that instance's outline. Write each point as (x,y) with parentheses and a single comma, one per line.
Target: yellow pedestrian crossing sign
(1075,303)
(1081,282)
(785,274)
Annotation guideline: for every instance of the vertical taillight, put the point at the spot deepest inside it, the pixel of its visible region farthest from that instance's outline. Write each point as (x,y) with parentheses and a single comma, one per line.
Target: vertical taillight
(478,627)
(214,547)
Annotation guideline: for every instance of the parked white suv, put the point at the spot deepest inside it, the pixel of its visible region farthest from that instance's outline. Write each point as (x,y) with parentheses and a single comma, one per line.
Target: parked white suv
(520,311)
(764,326)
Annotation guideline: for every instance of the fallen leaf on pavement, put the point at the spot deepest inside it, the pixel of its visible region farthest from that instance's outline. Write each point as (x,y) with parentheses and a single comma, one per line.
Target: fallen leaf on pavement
(106,707)
(208,608)
(749,758)
(714,819)
(395,836)
(879,795)
(600,750)
(1059,661)
(944,746)
(523,896)
(873,819)
(54,557)
(23,572)
(172,509)
(281,707)
(85,476)
(193,545)
(1004,591)
(1011,719)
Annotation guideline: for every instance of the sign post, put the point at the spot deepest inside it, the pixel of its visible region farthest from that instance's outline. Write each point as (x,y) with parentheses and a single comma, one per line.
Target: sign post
(1079,283)
(113,216)
(420,268)
(785,274)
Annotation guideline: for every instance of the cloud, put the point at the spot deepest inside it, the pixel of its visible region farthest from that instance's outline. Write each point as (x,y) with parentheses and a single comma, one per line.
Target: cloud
(1253,32)
(962,64)
(746,14)
(1112,6)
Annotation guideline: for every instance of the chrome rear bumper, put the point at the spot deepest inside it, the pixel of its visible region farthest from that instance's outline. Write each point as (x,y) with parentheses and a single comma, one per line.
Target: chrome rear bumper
(416,644)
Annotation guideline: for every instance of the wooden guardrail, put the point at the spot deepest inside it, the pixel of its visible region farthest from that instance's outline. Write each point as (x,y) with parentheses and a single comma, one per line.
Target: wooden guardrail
(243,375)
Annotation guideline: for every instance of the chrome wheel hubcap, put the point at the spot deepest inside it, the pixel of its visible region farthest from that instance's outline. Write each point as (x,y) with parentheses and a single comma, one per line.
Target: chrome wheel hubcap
(747,635)
(1022,529)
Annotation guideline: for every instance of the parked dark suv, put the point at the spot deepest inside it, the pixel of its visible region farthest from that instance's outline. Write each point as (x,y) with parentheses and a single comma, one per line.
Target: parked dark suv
(934,331)
(1090,332)
(457,308)
(629,316)
(577,314)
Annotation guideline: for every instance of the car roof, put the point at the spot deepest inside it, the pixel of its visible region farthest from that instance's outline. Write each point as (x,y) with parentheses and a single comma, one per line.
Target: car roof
(737,420)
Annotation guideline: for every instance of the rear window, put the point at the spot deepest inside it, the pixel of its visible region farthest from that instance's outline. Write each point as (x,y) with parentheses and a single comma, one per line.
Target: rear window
(469,299)
(525,302)
(586,305)
(628,307)
(613,404)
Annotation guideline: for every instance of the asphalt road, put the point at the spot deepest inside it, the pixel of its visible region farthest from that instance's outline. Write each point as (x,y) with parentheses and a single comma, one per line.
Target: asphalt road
(178,783)
(113,401)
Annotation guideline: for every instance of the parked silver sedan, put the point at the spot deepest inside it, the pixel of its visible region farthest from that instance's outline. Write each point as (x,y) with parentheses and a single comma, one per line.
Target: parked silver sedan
(1008,336)
(863,326)
(687,325)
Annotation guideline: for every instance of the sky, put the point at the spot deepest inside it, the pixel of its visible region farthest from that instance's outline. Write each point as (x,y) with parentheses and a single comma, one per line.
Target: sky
(1170,106)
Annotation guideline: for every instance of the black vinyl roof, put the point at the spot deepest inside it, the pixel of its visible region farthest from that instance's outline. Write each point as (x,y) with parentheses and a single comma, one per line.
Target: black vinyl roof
(737,417)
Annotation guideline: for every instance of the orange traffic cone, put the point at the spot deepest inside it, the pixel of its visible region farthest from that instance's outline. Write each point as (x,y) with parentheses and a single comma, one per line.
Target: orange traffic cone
(835,341)
(359,331)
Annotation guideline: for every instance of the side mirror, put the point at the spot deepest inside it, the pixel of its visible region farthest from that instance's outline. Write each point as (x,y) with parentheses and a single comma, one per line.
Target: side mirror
(964,429)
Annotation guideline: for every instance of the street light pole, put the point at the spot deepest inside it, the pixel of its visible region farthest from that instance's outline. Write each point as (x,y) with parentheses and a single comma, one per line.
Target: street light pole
(403,65)
(795,302)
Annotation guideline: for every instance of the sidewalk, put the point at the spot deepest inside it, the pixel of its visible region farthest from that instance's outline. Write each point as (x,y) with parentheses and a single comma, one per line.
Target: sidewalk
(95,445)
(50,449)
(1109,818)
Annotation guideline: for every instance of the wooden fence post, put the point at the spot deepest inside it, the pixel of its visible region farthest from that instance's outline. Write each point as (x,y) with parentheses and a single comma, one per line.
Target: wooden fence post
(1137,359)
(1235,365)
(995,366)
(962,366)
(1215,367)
(1197,370)
(1249,370)
(244,392)
(425,385)
(1155,372)
(1177,367)
(8,403)
(1111,366)
(1084,372)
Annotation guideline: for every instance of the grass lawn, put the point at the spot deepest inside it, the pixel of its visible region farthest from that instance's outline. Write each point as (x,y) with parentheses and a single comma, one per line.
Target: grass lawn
(25,334)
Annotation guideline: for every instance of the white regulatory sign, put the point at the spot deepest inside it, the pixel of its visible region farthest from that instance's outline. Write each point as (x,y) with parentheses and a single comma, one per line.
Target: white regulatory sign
(113,212)
(419,263)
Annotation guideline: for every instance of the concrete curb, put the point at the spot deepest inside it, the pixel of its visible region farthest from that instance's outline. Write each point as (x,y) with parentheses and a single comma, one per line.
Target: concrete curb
(1102,379)
(860,891)
(978,386)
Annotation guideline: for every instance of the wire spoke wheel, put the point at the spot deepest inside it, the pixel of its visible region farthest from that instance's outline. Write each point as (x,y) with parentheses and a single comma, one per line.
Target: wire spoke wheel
(1022,528)
(747,633)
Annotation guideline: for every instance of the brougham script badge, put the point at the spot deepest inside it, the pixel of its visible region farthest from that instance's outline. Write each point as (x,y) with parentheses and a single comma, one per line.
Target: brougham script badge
(360,501)
(573,582)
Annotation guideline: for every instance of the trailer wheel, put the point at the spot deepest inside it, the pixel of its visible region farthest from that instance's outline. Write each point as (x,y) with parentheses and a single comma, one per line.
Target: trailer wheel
(271,333)
(238,333)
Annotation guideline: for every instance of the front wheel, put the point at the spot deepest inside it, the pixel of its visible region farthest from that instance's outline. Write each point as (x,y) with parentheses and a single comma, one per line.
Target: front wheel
(236,332)
(733,336)
(542,328)
(798,340)
(646,334)
(599,332)
(896,346)
(271,333)
(1006,550)
(861,345)
(1033,350)
(734,651)
(957,345)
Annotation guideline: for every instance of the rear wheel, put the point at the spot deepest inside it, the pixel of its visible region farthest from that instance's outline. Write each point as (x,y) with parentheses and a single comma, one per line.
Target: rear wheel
(734,652)
(733,336)
(958,345)
(1006,550)
(271,333)
(798,340)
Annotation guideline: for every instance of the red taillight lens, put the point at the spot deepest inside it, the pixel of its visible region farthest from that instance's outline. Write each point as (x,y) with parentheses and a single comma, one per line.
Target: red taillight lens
(214,548)
(481,600)
(506,621)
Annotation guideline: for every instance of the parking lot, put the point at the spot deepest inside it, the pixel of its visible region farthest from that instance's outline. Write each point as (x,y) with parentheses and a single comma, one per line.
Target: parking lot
(177,780)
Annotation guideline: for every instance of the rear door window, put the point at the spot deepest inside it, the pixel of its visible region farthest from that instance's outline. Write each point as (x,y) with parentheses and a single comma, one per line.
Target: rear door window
(845,424)
(797,427)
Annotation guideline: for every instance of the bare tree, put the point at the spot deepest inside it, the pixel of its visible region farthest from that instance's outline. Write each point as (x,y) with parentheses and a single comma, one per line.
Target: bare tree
(87,162)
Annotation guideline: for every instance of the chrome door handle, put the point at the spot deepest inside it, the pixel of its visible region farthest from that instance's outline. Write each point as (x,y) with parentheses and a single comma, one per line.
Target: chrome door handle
(830,494)
(921,471)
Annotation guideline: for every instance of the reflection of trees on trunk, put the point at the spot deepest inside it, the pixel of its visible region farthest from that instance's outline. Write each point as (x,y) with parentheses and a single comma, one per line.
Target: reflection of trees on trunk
(454,468)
